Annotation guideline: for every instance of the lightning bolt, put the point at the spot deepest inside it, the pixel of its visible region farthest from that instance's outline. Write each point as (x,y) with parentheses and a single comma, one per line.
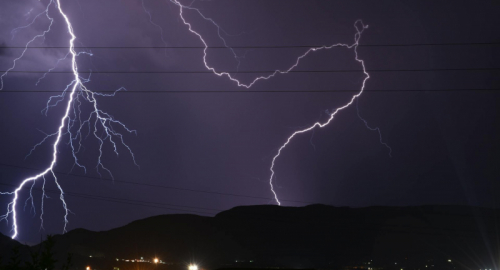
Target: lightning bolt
(377,129)
(42,35)
(75,94)
(220,30)
(227,74)
(72,123)
(360,28)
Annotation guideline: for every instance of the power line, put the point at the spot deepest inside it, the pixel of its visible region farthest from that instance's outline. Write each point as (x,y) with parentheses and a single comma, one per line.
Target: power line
(253,72)
(259,47)
(341,224)
(157,186)
(348,224)
(124,201)
(84,195)
(273,91)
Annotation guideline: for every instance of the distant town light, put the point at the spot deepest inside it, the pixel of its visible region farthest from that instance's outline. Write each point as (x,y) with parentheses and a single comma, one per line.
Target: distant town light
(449,260)
(156,260)
(193,267)
(88,268)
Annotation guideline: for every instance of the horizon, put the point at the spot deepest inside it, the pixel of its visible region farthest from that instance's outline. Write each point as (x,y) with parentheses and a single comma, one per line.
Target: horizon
(333,238)
(256,206)
(115,111)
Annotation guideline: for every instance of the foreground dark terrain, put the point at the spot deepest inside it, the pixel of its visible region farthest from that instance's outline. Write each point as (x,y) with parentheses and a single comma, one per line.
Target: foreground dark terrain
(315,236)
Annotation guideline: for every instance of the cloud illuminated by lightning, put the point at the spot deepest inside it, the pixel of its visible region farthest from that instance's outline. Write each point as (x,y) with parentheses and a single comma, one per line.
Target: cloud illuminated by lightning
(102,125)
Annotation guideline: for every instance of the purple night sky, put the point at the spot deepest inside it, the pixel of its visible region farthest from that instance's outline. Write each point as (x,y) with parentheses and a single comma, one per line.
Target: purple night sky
(203,153)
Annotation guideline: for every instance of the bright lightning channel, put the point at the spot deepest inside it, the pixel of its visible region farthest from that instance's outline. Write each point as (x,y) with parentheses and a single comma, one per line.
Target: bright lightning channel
(360,28)
(78,91)
(71,123)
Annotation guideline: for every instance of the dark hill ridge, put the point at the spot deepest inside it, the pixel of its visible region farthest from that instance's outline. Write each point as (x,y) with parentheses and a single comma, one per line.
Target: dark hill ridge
(315,236)
(6,246)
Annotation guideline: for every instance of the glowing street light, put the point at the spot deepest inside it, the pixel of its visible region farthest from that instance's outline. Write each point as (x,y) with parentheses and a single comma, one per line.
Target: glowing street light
(88,268)
(156,260)
(193,267)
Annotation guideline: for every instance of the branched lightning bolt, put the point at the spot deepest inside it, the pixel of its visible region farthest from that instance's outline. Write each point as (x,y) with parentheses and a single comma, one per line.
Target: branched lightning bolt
(220,30)
(42,35)
(72,123)
(76,93)
(227,74)
(358,25)
(359,30)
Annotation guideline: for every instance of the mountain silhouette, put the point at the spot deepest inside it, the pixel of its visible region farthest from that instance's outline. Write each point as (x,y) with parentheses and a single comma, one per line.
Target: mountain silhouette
(314,236)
